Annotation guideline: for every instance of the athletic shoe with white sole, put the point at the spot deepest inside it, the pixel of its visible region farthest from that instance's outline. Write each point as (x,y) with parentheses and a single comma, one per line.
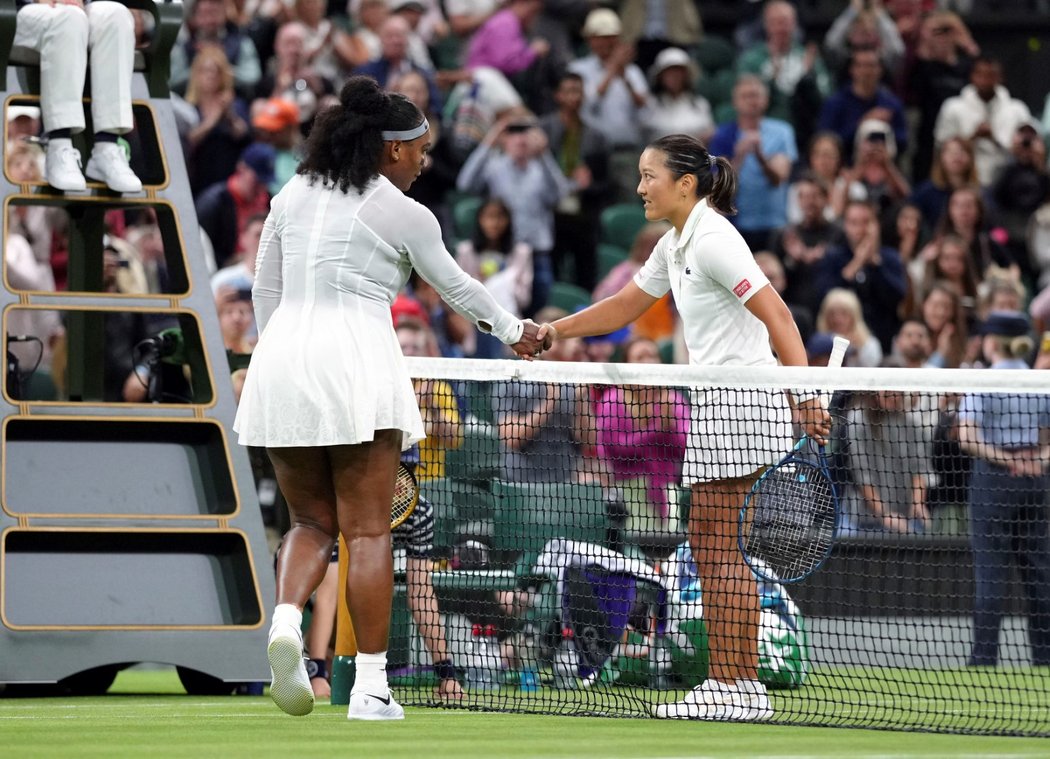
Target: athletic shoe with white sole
(290,687)
(109,164)
(368,707)
(711,699)
(753,698)
(742,701)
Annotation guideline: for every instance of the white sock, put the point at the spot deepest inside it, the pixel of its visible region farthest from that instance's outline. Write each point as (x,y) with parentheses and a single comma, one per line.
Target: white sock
(371,674)
(286,614)
(750,686)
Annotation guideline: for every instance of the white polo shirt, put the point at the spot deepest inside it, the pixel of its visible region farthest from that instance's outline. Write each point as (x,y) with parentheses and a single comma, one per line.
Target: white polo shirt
(712,274)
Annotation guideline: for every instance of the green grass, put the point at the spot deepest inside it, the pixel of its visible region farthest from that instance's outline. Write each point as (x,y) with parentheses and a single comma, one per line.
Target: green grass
(147,714)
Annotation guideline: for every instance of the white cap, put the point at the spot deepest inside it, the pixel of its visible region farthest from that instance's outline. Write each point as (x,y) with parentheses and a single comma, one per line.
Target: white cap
(602,22)
(673,56)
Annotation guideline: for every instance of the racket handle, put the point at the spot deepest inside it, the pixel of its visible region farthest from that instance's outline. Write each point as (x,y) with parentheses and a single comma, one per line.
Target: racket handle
(838,351)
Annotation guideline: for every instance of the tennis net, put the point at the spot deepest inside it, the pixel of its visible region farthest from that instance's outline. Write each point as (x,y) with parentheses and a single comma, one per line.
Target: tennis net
(562,569)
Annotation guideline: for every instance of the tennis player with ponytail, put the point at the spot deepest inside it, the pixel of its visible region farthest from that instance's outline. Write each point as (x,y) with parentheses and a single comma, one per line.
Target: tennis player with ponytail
(327,392)
(730,314)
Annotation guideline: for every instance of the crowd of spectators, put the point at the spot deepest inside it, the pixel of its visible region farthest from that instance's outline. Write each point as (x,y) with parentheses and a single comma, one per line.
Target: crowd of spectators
(890,184)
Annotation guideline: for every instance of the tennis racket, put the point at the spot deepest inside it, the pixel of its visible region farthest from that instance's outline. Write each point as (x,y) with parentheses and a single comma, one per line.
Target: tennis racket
(789,520)
(406,496)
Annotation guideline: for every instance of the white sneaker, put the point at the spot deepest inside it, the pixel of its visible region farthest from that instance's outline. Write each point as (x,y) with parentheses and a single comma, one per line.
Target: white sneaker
(62,166)
(753,698)
(290,685)
(368,707)
(109,164)
(711,699)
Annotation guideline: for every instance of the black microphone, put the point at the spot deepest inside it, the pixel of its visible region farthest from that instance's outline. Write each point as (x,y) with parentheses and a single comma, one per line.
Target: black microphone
(169,346)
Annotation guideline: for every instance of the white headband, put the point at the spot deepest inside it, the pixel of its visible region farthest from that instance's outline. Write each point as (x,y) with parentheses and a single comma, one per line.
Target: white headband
(406,134)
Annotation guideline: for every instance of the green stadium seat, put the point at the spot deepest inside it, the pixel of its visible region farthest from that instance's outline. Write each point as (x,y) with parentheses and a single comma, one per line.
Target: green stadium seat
(666,351)
(478,458)
(619,223)
(455,503)
(714,53)
(464,214)
(568,296)
(717,88)
(528,514)
(609,256)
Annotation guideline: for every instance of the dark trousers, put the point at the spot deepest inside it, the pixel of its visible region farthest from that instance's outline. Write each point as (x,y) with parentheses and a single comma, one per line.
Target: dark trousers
(1009,527)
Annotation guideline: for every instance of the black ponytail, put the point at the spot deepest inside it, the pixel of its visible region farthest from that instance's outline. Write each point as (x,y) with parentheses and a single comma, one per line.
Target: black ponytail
(716,178)
(346,143)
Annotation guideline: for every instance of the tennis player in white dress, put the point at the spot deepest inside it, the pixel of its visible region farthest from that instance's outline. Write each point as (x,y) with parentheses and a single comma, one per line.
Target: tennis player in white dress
(327,392)
(730,314)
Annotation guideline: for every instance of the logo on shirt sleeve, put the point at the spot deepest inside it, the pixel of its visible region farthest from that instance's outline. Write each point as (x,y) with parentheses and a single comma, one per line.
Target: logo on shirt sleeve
(741,288)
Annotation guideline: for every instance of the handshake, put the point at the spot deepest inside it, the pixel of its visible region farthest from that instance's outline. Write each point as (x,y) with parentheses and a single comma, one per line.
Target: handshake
(535,339)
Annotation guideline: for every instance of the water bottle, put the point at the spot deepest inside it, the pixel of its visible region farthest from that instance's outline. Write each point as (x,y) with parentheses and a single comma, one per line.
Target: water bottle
(659,663)
(566,661)
(480,675)
(529,677)
(490,656)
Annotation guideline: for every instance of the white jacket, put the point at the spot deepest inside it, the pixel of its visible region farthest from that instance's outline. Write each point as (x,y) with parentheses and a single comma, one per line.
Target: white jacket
(961,115)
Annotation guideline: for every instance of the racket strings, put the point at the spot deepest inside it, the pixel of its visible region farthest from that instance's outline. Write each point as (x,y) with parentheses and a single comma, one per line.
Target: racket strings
(792,523)
(406,493)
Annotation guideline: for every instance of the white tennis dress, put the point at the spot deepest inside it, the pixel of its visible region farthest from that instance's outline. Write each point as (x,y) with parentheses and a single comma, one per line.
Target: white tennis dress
(328,369)
(712,273)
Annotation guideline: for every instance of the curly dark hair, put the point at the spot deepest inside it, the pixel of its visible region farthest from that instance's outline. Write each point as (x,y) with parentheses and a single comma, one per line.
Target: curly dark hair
(346,142)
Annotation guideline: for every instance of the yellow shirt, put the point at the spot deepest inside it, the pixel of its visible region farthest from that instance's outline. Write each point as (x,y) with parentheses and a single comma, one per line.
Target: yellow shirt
(438,406)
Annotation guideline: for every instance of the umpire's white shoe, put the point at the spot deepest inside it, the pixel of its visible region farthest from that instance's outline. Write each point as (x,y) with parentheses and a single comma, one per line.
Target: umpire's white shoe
(368,707)
(290,687)
(711,700)
(108,164)
(752,696)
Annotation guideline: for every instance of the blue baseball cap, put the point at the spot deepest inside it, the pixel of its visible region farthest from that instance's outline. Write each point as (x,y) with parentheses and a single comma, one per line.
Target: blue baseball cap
(820,344)
(1006,324)
(260,158)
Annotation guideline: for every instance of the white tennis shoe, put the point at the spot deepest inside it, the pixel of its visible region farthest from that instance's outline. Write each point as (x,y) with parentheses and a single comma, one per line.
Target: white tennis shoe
(752,696)
(290,685)
(742,701)
(365,706)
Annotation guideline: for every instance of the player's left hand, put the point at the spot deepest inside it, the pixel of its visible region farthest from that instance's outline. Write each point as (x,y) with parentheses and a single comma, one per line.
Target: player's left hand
(815,419)
(449,690)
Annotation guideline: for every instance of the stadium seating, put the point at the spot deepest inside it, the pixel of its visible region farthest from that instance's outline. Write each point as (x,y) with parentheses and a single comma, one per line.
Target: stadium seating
(619,223)
(568,296)
(609,256)
(464,214)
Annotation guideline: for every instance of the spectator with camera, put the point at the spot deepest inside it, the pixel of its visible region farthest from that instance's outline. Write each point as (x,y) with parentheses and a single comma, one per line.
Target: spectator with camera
(523,174)
(864,97)
(941,69)
(1021,188)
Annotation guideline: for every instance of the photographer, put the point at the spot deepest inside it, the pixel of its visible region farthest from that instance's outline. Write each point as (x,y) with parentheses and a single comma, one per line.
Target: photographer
(1021,188)
(524,175)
